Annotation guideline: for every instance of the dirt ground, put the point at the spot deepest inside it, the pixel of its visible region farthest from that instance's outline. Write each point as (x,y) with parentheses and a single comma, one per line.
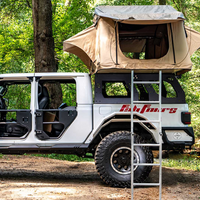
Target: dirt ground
(27,178)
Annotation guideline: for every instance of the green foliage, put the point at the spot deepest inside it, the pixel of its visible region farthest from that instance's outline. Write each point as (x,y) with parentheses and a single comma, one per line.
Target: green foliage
(116,89)
(189,163)
(15,9)
(135,55)
(190,9)
(68,20)
(16,35)
(170,90)
(19,96)
(190,82)
(69,94)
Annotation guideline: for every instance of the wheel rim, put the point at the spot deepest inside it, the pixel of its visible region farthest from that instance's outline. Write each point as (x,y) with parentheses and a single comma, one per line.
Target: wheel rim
(120,160)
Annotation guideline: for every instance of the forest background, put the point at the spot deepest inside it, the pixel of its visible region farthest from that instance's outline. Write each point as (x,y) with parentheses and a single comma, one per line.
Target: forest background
(70,17)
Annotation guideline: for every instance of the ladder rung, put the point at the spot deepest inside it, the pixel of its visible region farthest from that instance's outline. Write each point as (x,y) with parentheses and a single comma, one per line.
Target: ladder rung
(146,184)
(51,123)
(148,145)
(147,121)
(8,122)
(146,82)
(146,164)
(137,102)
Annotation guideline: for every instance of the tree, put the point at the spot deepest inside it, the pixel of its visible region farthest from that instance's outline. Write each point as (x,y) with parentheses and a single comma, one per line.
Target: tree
(16,35)
(43,38)
(44,46)
(162,2)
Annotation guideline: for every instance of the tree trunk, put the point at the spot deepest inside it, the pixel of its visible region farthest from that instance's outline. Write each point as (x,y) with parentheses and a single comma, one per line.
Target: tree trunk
(44,46)
(43,40)
(162,2)
(183,7)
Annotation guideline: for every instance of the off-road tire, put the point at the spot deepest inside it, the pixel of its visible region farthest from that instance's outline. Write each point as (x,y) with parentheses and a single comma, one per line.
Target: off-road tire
(104,154)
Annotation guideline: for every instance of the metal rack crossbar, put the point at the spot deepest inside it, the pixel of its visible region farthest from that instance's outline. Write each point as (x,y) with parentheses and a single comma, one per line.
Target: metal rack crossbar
(146,121)
(145,102)
(146,144)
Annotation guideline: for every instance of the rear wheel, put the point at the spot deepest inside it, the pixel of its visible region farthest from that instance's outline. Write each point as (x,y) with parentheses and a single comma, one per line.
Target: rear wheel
(113,159)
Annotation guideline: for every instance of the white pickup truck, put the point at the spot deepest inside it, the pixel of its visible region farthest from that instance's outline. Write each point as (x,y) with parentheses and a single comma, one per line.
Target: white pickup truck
(96,121)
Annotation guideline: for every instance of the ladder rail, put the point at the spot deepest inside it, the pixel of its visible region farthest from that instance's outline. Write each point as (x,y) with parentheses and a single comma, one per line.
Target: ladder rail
(132,137)
(160,139)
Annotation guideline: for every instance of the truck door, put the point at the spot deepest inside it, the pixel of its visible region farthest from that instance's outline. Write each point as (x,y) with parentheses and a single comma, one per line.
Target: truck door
(56,108)
(64,116)
(15,114)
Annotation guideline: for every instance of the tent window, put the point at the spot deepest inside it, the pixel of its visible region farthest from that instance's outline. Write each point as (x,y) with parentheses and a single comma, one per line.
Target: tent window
(143,41)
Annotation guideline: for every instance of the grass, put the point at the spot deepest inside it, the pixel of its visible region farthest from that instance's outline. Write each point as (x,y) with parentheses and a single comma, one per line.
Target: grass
(189,163)
(65,157)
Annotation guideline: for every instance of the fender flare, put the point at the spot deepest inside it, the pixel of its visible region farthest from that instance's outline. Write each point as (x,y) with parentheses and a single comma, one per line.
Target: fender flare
(123,118)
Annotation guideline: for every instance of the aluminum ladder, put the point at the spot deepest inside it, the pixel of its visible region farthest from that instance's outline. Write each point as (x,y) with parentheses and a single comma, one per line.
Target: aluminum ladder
(159,184)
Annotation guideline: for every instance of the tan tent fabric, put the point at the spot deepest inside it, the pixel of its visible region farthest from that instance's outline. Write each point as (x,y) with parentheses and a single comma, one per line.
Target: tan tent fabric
(81,45)
(193,40)
(99,46)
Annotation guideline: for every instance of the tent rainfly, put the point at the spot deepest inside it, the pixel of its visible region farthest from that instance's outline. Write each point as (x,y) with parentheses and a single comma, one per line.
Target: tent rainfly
(143,38)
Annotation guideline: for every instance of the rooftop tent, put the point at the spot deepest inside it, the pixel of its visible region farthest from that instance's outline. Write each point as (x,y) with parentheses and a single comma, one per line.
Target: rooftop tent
(143,38)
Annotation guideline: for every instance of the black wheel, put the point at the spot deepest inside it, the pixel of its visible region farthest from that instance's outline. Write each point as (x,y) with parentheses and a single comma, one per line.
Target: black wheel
(113,159)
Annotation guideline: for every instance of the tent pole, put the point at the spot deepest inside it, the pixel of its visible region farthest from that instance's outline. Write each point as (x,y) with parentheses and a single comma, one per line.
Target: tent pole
(116,43)
(173,43)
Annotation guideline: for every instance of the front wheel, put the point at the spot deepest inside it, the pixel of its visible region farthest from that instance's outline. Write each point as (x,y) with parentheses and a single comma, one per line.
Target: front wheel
(113,159)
